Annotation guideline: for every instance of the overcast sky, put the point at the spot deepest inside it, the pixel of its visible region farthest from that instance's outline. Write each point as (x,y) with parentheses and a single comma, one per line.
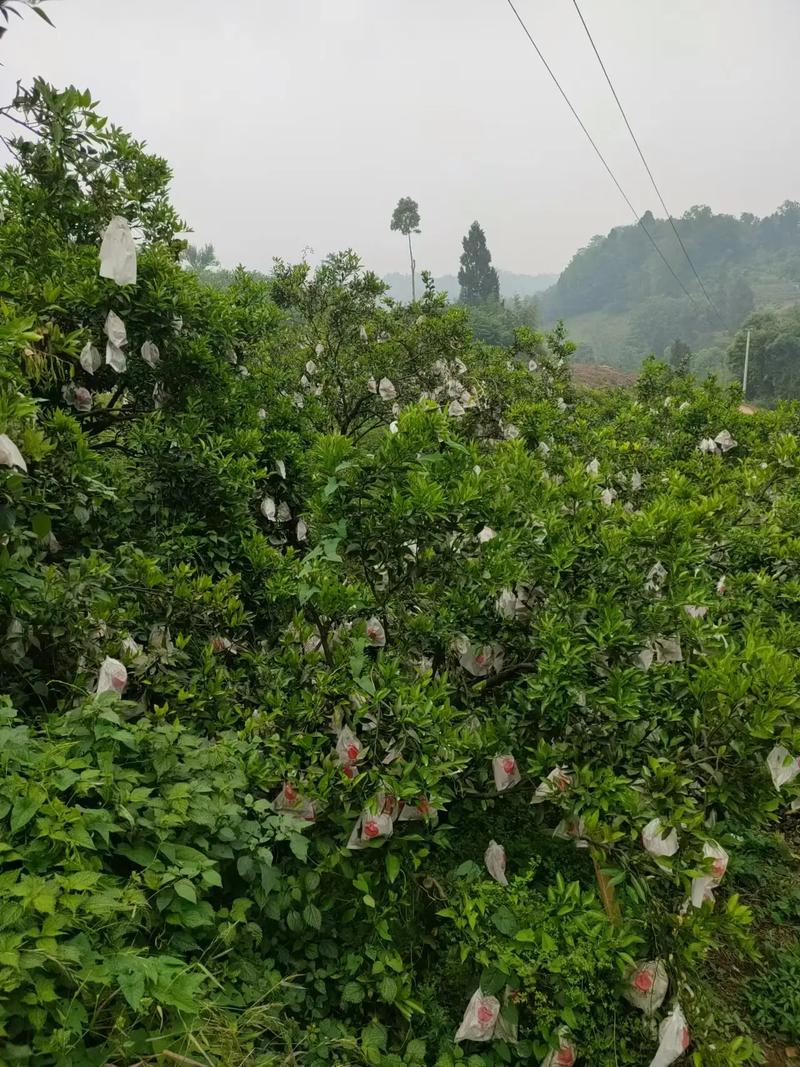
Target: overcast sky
(293,123)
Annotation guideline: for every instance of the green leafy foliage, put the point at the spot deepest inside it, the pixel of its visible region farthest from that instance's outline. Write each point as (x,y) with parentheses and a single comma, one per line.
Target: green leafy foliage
(322,509)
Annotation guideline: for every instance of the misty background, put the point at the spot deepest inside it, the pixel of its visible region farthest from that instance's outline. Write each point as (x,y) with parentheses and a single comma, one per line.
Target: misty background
(293,125)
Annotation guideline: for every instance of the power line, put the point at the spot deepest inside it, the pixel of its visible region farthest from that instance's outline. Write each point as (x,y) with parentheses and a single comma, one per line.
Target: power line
(667,212)
(600,155)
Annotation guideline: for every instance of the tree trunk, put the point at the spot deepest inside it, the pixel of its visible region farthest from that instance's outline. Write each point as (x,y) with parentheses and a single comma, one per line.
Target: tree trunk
(413,268)
(607,894)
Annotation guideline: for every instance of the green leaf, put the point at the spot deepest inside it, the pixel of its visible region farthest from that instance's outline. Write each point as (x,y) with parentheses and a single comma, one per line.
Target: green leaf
(132,987)
(25,807)
(299,846)
(41,525)
(374,1035)
(44,15)
(392,865)
(505,921)
(528,936)
(353,993)
(388,989)
(184,888)
(312,916)
(416,1051)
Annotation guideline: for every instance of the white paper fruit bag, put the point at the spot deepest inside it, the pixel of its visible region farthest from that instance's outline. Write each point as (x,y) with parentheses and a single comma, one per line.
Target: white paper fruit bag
(506,772)
(673,1038)
(479,1019)
(563,1056)
(291,802)
(657,842)
(495,860)
(370,827)
(646,986)
(118,253)
(555,783)
(112,677)
(702,888)
(783,767)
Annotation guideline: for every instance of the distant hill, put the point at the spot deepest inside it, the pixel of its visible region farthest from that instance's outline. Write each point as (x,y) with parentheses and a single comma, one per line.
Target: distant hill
(511,284)
(620,302)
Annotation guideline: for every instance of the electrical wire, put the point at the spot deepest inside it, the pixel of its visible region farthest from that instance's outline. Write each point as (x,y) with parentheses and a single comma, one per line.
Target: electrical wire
(600,155)
(667,212)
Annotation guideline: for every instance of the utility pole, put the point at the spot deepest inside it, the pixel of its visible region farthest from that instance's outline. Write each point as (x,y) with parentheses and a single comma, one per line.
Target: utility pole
(746,362)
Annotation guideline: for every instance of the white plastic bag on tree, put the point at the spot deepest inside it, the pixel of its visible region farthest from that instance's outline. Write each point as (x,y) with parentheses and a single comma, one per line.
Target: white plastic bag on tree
(416,812)
(708,446)
(302,530)
(513,603)
(150,353)
(479,1019)
(118,253)
(486,534)
(480,661)
(348,747)
(673,1039)
(112,677)
(783,767)
(555,783)
(608,496)
(495,860)
(572,830)
(369,828)
(724,441)
(117,340)
(592,468)
(291,802)
(506,772)
(376,635)
(656,577)
(284,513)
(268,509)
(703,887)
(658,843)
(115,330)
(130,648)
(563,1056)
(667,650)
(386,389)
(90,358)
(10,455)
(646,986)
(455,410)
(695,611)
(78,397)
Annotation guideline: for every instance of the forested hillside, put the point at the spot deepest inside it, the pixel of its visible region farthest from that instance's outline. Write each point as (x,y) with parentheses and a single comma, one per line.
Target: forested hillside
(511,284)
(369,696)
(621,302)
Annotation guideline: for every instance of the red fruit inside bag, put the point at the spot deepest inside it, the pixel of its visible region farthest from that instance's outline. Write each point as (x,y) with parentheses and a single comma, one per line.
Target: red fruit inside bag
(349,770)
(352,752)
(371,828)
(565,1057)
(509,764)
(485,1014)
(685,1039)
(643,981)
(290,793)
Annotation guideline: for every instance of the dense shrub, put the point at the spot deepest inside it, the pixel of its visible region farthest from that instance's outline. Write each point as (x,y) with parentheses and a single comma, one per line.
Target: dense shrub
(323,510)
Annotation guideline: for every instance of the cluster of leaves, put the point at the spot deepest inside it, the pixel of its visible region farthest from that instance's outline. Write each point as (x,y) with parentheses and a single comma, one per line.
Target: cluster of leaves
(306,456)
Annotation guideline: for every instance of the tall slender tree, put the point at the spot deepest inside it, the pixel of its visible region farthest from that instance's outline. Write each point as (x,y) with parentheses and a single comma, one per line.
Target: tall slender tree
(405,218)
(476,276)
